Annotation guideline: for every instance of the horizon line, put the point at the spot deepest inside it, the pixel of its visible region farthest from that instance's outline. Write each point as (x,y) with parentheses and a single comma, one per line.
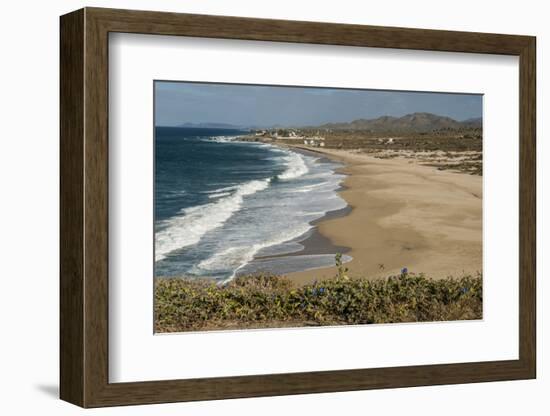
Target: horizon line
(311,126)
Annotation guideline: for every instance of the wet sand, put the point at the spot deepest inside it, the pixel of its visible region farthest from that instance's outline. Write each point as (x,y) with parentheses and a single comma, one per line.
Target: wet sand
(402,215)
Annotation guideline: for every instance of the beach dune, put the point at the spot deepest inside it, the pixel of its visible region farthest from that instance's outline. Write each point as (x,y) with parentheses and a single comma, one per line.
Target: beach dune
(404,215)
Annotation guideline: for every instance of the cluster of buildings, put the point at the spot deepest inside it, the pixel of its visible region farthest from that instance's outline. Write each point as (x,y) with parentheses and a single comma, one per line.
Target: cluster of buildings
(315,141)
(287,134)
(278,134)
(389,140)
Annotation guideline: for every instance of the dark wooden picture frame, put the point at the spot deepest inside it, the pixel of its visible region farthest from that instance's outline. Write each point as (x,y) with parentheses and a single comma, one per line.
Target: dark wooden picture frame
(84,207)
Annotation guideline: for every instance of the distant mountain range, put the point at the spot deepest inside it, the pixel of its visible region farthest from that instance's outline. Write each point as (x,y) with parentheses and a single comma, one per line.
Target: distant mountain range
(415,122)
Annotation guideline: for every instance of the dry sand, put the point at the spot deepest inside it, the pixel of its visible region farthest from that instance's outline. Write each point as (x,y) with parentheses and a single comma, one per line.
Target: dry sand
(404,215)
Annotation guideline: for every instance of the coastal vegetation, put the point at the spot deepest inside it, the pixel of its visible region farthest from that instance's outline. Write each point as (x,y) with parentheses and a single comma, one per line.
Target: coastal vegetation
(267,301)
(292,174)
(424,138)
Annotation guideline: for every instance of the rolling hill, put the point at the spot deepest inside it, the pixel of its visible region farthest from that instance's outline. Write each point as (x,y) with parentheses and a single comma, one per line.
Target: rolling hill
(415,122)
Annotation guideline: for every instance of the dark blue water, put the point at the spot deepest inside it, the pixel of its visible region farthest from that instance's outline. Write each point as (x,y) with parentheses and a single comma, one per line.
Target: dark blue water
(192,162)
(220,203)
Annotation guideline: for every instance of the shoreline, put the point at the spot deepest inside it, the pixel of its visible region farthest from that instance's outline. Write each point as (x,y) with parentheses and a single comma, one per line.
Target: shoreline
(409,215)
(312,241)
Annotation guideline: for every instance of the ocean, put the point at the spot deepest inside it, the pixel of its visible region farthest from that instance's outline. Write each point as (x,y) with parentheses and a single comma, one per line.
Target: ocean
(225,208)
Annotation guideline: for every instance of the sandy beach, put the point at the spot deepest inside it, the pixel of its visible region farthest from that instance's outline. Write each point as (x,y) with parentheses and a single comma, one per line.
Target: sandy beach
(403,215)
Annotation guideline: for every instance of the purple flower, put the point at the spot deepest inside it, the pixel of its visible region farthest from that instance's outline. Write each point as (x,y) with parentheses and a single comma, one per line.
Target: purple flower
(317,291)
(404,270)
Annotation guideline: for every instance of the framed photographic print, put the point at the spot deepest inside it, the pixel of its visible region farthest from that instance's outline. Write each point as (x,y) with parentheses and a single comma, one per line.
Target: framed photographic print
(255,207)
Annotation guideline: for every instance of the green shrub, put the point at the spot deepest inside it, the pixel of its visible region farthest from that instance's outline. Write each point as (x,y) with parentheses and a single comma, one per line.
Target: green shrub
(272,301)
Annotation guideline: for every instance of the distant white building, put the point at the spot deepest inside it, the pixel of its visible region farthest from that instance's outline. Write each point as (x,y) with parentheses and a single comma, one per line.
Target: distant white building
(315,141)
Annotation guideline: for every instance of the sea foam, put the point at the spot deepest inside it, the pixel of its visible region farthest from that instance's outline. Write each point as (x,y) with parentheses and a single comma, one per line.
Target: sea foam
(237,257)
(222,238)
(193,223)
(295,166)
(222,139)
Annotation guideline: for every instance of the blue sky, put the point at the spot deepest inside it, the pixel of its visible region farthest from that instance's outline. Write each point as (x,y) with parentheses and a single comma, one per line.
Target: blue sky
(256,105)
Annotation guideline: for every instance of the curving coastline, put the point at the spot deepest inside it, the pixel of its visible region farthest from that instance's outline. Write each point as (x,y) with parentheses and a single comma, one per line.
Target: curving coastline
(403,215)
